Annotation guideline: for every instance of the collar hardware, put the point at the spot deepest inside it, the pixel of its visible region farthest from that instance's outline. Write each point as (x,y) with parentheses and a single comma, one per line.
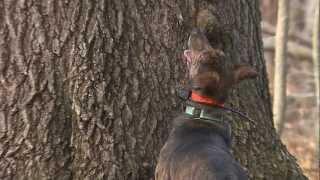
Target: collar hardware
(200,114)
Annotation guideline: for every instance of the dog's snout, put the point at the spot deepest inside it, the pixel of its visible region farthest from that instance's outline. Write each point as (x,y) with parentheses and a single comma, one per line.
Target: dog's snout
(198,40)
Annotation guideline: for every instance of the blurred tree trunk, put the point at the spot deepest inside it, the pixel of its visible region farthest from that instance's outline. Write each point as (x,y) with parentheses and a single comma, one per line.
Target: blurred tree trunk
(87,88)
(280,73)
(316,65)
(269,10)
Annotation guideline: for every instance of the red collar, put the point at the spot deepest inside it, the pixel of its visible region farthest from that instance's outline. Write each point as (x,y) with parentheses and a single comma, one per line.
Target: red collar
(205,100)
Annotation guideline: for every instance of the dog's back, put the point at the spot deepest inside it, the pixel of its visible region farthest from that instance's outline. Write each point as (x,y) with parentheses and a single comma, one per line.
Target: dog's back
(196,151)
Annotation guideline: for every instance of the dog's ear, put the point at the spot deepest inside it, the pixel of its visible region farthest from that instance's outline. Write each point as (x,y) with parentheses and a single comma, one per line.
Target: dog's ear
(242,72)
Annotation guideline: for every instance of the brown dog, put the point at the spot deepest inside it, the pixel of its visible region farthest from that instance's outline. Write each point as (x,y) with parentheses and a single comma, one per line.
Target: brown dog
(199,144)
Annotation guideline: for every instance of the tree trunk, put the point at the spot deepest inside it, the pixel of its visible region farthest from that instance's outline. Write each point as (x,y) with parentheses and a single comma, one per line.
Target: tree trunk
(87,88)
(316,65)
(280,73)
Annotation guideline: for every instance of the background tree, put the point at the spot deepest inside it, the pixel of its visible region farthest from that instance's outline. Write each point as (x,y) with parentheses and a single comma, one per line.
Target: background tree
(88,87)
(316,65)
(280,74)
(301,111)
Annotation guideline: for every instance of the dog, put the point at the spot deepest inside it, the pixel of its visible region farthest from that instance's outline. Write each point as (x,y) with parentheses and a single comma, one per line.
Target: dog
(198,147)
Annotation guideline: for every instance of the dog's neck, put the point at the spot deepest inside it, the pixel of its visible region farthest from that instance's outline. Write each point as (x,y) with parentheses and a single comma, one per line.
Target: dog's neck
(212,122)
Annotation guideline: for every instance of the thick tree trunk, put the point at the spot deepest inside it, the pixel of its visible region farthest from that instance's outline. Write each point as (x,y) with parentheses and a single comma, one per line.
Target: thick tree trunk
(87,88)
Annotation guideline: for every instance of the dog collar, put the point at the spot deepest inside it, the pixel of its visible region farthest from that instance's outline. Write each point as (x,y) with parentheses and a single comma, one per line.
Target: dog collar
(216,119)
(205,100)
(195,99)
(200,114)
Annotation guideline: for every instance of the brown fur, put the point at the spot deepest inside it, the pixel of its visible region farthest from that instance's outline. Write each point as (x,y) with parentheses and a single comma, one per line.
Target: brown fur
(198,150)
(208,71)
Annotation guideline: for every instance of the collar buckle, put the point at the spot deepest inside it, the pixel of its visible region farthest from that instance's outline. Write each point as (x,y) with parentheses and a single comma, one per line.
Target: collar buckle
(201,114)
(194,112)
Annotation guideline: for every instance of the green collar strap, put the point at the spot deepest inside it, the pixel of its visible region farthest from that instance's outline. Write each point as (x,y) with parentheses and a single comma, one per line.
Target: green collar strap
(201,114)
(215,117)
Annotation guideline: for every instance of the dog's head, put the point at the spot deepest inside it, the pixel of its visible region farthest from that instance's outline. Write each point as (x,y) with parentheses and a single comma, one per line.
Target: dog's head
(209,73)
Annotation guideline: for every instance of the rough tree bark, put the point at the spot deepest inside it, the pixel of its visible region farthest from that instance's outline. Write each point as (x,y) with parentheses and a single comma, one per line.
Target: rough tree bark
(87,88)
(280,70)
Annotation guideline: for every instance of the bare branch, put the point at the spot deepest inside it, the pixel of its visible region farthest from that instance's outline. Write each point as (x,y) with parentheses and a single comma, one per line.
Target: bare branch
(294,49)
